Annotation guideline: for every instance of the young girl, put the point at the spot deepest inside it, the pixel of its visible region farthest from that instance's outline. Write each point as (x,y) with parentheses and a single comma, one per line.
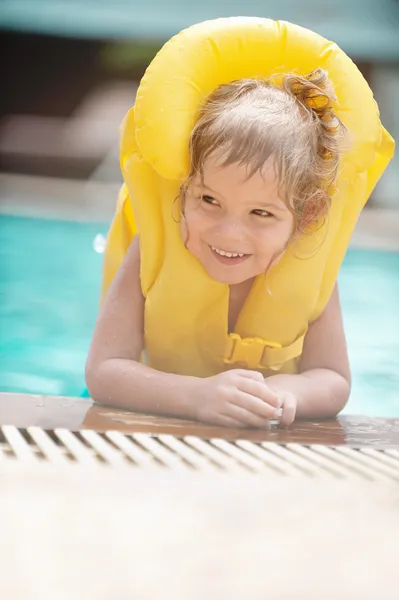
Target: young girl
(210,337)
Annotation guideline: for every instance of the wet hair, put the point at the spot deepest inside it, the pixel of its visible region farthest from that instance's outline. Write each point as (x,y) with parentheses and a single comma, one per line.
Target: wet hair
(287,118)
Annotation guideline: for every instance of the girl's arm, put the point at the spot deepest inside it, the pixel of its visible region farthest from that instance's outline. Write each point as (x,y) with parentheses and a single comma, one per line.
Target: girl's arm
(323,386)
(114,375)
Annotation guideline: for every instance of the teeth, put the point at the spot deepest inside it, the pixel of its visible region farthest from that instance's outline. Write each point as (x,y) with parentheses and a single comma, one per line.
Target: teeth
(228,254)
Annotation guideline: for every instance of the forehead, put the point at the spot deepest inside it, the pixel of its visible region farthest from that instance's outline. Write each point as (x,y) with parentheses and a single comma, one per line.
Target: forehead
(238,178)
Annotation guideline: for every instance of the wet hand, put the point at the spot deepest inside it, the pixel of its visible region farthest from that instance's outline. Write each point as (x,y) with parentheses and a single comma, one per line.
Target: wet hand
(236,398)
(289,406)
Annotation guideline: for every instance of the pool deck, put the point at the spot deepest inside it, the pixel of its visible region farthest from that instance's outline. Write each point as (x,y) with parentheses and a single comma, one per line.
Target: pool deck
(51,412)
(101,534)
(189,524)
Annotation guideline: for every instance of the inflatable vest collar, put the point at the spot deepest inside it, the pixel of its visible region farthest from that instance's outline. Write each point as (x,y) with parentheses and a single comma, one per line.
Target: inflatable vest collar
(185,310)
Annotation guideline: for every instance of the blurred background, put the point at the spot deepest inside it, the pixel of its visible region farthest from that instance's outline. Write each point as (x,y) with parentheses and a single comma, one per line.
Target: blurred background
(69,73)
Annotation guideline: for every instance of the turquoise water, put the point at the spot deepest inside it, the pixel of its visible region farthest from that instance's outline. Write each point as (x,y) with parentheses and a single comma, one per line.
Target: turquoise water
(49,287)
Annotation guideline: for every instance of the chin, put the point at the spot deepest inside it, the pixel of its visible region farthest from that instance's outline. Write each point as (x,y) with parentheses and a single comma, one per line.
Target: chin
(227,278)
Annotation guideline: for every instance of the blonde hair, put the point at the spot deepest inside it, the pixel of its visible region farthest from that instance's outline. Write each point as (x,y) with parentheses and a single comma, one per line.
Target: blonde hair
(288,118)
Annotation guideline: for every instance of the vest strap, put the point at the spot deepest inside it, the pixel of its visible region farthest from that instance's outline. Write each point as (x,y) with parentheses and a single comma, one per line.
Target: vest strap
(257,353)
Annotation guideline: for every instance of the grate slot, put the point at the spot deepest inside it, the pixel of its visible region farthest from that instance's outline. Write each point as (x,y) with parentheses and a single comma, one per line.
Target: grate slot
(276,463)
(305,466)
(334,468)
(350,467)
(191,456)
(382,457)
(221,459)
(161,452)
(105,451)
(377,468)
(244,458)
(5,449)
(49,450)
(20,448)
(132,450)
(78,451)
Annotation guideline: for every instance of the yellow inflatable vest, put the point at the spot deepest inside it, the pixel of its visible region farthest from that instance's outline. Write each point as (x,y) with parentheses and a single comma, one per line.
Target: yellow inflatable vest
(186,312)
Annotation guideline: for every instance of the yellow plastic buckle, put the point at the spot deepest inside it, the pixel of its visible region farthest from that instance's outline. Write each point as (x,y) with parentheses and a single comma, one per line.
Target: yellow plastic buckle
(248,351)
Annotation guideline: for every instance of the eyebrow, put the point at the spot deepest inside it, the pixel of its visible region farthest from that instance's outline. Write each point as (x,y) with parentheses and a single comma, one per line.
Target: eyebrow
(262,204)
(203,185)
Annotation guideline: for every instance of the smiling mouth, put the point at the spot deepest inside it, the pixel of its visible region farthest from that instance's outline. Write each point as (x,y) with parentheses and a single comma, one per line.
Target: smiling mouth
(228,257)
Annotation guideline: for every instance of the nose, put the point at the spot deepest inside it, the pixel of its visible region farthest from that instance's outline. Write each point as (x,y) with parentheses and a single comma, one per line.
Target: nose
(231,229)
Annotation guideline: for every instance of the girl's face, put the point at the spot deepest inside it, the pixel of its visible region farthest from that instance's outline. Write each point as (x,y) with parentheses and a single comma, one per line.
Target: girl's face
(235,226)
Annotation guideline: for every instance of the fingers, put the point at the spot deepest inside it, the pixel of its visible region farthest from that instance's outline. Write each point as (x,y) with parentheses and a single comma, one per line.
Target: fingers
(247,418)
(261,390)
(256,375)
(289,410)
(255,405)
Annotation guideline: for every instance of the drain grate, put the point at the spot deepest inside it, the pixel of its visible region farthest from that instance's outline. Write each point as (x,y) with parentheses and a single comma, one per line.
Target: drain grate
(63,447)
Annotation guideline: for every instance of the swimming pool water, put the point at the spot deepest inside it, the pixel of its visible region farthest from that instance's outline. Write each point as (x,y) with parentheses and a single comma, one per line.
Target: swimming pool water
(49,288)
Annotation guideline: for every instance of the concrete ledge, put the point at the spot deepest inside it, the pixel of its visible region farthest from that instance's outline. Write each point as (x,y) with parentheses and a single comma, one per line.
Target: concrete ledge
(101,534)
(377,228)
(54,198)
(54,412)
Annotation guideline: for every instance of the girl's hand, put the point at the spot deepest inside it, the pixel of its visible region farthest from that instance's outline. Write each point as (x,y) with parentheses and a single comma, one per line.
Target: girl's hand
(236,398)
(289,406)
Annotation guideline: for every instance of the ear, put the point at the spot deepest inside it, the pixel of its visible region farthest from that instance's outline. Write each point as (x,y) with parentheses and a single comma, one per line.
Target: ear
(309,215)
(313,211)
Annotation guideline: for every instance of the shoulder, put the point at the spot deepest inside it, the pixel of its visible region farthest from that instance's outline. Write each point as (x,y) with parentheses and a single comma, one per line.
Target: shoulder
(127,279)
(130,267)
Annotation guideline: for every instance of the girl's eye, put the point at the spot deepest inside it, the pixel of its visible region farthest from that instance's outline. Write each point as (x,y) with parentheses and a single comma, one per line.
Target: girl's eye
(208,200)
(262,213)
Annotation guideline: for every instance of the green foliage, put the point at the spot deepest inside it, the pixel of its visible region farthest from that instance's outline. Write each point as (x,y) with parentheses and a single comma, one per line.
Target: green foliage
(126,57)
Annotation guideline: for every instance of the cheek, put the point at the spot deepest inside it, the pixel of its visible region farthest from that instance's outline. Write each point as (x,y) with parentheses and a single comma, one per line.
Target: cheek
(195,222)
(191,228)
(275,238)
(287,230)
